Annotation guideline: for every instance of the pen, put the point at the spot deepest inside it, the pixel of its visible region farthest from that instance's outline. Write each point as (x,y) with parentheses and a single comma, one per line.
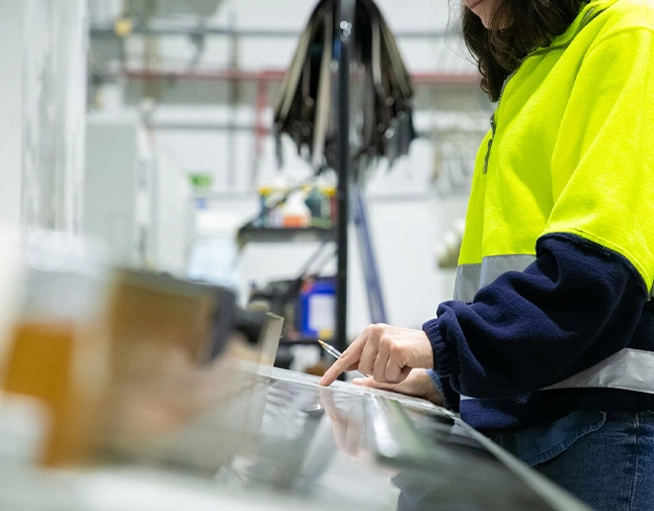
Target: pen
(330,349)
(334,352)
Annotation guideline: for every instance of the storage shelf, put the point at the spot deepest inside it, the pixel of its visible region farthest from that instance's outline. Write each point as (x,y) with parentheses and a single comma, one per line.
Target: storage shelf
(247,234)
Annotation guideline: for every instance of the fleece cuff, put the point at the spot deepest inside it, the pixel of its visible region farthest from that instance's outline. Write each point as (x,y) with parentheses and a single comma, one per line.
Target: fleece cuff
(444,363)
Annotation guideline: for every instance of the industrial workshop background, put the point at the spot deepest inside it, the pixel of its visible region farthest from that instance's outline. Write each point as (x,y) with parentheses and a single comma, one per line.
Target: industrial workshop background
(179,145)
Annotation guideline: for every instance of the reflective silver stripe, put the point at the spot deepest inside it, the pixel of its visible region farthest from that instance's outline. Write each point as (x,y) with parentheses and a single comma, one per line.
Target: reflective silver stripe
(466,284)
(470,278)
(628,369)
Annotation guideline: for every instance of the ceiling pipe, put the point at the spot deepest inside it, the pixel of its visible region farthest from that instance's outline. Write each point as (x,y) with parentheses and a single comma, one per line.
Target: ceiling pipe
(208,30)
(276,75)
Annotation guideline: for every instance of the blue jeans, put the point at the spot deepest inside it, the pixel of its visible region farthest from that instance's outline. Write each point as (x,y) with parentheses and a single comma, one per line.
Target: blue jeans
(608,464)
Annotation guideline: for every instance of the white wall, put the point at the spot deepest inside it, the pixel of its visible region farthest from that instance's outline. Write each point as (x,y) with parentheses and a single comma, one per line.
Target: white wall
(54,70)
(11,111)
(42,106)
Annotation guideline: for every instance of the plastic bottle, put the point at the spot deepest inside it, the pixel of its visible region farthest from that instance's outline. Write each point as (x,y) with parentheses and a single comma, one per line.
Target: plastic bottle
(319,205)
(277,189)
(264,193)
(327,182)
(295,212)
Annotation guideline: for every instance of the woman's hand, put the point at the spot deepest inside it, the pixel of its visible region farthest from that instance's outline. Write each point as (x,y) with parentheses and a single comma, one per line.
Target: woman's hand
(386,353)
(417,384)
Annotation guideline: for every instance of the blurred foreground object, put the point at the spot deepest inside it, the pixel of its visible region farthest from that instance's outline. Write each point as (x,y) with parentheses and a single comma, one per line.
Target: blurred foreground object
(59,350)
(382,92)
(183,353)
(122,360)
(10,277)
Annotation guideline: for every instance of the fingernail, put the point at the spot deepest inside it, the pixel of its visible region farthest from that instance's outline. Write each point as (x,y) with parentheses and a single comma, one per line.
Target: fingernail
(358,381)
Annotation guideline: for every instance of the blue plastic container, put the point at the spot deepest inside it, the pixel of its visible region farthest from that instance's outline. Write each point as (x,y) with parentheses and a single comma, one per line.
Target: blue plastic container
(316,308)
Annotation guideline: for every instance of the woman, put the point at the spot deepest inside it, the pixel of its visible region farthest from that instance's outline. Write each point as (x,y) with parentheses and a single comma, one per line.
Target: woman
(548,346)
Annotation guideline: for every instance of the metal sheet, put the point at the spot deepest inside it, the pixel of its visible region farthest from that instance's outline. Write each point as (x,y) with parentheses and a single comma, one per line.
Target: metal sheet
(348,447)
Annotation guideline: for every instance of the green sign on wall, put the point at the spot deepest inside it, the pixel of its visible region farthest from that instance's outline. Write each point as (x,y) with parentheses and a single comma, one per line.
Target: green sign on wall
(200,180)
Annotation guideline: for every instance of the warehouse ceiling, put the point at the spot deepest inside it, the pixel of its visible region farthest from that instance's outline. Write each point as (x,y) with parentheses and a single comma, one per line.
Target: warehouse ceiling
(174,7)
(199,52)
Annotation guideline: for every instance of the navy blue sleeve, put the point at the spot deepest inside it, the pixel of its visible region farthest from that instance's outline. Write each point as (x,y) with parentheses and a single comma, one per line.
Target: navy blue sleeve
(450,396)
(576,305)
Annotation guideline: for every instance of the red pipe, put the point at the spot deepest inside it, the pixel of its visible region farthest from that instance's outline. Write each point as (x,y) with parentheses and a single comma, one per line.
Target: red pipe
(276,75)
(217,75)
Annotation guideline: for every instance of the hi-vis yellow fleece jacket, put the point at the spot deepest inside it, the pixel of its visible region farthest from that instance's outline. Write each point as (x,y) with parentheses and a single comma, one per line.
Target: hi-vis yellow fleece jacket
(552,310)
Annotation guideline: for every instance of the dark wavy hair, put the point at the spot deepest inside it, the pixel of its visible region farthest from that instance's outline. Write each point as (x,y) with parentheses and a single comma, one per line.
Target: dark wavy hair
(516,28)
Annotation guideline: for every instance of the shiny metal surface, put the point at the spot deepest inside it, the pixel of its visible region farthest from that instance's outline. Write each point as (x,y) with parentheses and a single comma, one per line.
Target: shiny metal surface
(347,447)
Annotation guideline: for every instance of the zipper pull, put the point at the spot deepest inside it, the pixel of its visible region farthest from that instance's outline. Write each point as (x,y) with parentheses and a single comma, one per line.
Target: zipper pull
(490,142)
